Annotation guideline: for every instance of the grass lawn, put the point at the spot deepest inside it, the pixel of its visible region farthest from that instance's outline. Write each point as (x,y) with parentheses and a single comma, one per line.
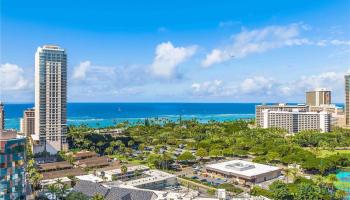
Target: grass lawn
(325,152)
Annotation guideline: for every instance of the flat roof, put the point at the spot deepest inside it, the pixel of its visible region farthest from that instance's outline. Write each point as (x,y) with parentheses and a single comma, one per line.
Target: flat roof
(153,176)
(10,135)
(90,177)
(241,167)
(54,180)
(130,169)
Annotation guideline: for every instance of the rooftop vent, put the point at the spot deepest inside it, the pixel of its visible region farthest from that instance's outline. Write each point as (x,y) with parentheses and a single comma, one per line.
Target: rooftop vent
(239,166)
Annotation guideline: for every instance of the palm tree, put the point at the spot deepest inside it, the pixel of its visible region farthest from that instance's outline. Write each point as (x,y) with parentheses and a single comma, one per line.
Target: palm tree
(294,173)
(97,197)
(331,179)
(340,194)
(73,180)
(124,170)
(318,179)
(287,173)
(53,190)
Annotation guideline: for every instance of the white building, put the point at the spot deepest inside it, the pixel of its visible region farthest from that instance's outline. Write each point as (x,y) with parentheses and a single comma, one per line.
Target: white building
(296,121)
(244,172)
(117,173)
(276,107)
(50,99)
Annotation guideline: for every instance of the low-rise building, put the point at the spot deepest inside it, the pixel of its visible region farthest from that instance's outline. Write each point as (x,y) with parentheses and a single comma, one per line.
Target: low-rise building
(113,193)
(154,180)
(93,162)
(244,172)
(116,174)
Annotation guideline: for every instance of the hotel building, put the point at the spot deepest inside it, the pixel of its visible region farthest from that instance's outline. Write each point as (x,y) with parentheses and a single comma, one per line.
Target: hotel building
(2,116)
(347,99)
(318,97)
(28,122)
(296,121)
(12,162)
(50,99)
(276,107)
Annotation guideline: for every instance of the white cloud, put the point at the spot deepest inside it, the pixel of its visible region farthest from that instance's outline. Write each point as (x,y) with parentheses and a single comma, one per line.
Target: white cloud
(80,71)
(168,58)
(212,88)
(340,42)
(216,56)
(260,88)
(334,42)
(257,41)
(256,84)
(12,78)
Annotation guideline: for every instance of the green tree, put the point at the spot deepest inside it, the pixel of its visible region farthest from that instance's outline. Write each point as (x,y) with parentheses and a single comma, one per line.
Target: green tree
(201,152)
(307,191)
(124,170)
(53,189)
(330,180)
(73,180)
(76,196)
(97,197)
(215,153)
(280,191)
(186,156)
(340,194)
(131,143)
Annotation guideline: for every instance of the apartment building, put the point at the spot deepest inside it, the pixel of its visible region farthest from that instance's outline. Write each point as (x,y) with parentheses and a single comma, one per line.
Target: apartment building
(50,99)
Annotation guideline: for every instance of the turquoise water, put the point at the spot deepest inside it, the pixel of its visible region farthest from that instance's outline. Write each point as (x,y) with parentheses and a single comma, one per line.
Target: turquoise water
(107,114)
(344,182)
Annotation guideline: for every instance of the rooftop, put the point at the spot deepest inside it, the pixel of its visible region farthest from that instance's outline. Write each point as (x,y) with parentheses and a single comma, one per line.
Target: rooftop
(62,173)
(153,175)
(93,162)
(9,135)
(130,169)
(90,177)
(54,166)
(113,193)
(241,167)
(83,154)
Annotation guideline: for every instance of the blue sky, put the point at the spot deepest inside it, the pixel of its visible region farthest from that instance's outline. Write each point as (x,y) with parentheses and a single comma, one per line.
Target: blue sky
(179,51)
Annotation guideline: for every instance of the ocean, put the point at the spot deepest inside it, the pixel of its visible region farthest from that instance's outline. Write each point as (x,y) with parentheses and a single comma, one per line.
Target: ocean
(107,114)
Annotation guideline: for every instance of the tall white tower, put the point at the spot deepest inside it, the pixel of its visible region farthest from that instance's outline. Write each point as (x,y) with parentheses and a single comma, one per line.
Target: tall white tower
(50,99)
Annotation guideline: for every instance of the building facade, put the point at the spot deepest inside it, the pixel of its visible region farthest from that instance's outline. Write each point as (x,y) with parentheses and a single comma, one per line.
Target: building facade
(2,116)
(276,107)
(347,99)
(12,162)
(50,99)
(318,97)
(28,122)
(296,121)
